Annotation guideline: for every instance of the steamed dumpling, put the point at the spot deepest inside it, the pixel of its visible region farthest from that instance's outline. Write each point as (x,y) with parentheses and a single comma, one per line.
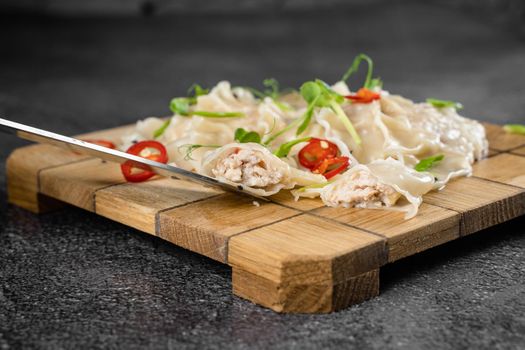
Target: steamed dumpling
(382,184)
(256,169)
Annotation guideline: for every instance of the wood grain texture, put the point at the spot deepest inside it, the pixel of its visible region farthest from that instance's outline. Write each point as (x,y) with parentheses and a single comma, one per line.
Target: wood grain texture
(205,227)
(482,203)
(322,297)
(504,167)
(500,140)
(143,201)
(431,227)
(493,152)
(306,264)
(23,167)
(519,151)
(308,249)
(77,183)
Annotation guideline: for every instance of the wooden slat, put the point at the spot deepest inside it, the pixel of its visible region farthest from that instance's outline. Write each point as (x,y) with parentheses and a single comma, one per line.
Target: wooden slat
(304,257)
(500,140)
(493,152)
(137,204)
(519,151)
(77,183)
(206,226)
(504,167)
(482,203)
(23,166)
(431,227)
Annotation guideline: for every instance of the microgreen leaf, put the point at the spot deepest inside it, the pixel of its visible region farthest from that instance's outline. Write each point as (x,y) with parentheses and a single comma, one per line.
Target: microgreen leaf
(376,82)
(160,131)
(180,105)
(319,94)
(307,117)
(321,185)
(192,147)
(346,122)
(218,114)
(244,136)
(272,86)
(444,103)
(514,129)
(427,163)
(282,131)
(285,148)
(310,91)
(197,90)
(355,67)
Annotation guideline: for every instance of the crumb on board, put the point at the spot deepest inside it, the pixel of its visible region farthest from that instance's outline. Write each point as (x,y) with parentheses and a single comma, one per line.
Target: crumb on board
(257,204)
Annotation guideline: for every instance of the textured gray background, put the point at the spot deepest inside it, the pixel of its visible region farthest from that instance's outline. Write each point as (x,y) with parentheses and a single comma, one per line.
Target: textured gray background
(73,280)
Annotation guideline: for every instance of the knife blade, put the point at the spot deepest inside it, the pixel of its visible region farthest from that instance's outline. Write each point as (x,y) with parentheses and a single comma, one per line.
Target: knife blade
(75,145)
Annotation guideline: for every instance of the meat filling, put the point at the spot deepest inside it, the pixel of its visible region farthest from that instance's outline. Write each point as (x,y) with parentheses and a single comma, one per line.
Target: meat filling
(362,190)
(247,167)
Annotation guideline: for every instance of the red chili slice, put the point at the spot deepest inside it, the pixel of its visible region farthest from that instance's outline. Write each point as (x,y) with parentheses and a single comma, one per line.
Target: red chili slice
(332,166)
(317,150)
(103,143)
(363,95)
(136,172)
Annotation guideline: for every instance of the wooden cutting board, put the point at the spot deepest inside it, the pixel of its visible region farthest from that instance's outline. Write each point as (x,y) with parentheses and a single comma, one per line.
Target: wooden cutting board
(286,255)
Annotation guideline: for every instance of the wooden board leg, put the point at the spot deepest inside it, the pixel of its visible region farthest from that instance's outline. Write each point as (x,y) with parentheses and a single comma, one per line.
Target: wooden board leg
(320,297)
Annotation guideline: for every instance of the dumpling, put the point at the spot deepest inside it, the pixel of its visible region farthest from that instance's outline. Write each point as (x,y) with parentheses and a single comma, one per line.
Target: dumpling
(256,169)
(382,184)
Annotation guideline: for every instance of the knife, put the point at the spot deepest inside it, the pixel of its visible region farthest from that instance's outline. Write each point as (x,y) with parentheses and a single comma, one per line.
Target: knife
(75,145)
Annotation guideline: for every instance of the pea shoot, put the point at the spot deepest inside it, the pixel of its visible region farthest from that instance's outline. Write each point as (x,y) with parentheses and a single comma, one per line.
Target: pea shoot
(318,94)
(192,147)
(428,163)
(369,82)
(285,148)
(160,131)
(514,129)
(244,136)
(181,105)
(444,103)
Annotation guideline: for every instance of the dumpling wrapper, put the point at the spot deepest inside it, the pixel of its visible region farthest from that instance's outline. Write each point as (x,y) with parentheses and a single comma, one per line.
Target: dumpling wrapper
(382,184)
(257,169)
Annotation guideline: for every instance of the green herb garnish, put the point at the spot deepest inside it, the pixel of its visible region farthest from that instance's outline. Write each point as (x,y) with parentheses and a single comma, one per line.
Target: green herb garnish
(319,94)
(444,104)
(272,91)
(244,136)
(192,147)
(427,163)
(302,189)
(285,148)
(181,105)
(218,114)
(197,91)
(376,82)
(369,82)
(160,131)
(514,129)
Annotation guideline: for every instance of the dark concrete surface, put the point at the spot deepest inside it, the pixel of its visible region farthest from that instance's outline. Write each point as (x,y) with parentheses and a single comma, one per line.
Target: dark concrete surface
(71,279)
